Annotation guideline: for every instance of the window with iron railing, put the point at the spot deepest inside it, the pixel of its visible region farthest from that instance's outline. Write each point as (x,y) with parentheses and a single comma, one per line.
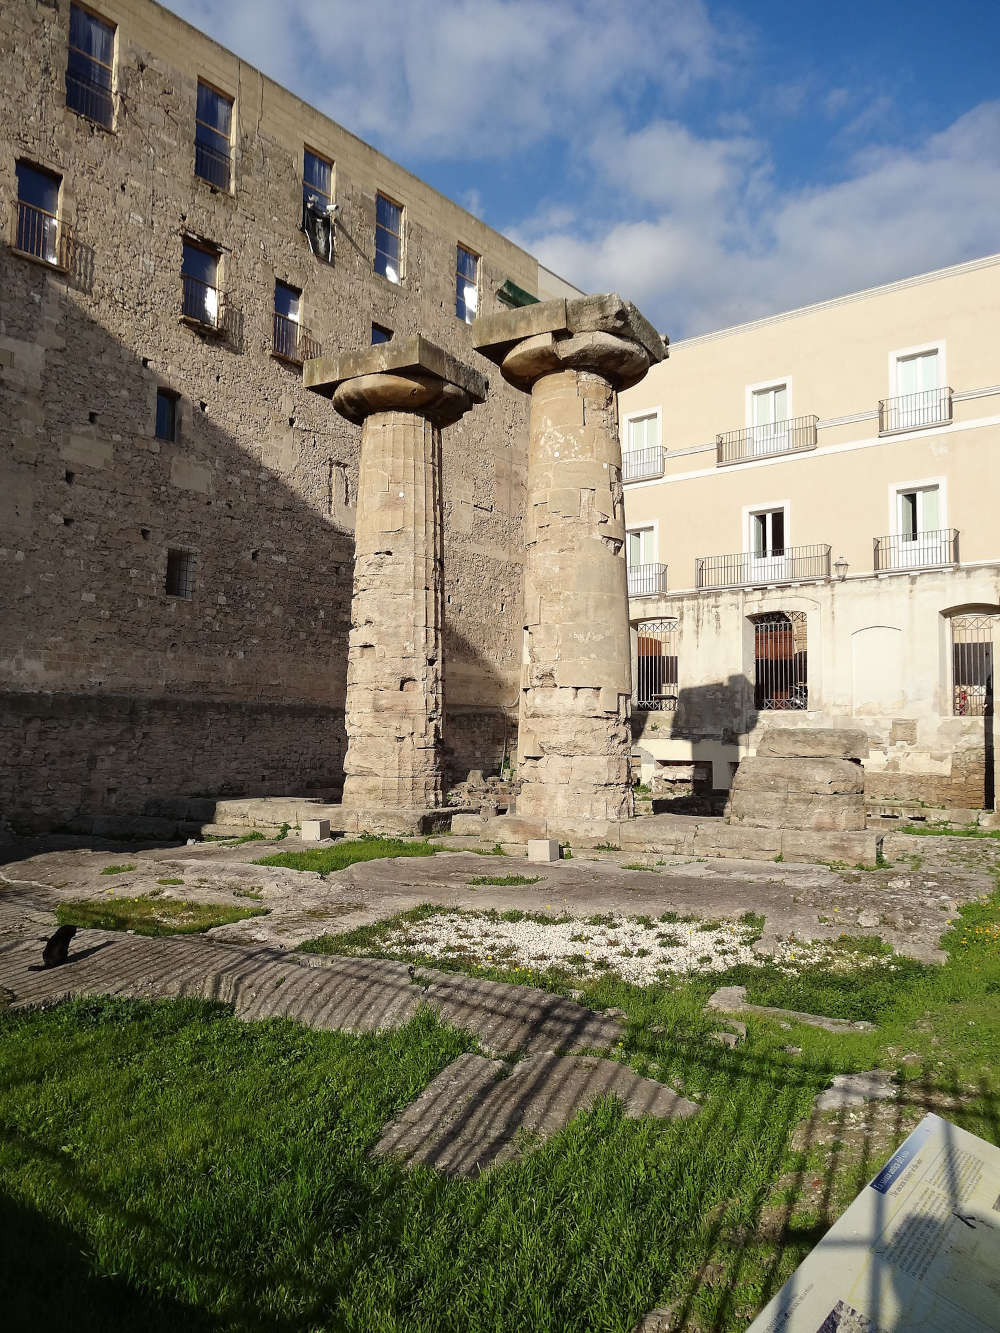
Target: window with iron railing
(212,133)
(765,564)
(643,456)
(912,411)
(291,342)
(38,230)
(780,661)
(974,639)
(656,682)
(201,300)
(916,550)
(90,66)
(766,439)
(649,580)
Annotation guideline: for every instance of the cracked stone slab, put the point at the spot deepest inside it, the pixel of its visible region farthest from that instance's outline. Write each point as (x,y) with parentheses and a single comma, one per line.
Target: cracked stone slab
(847,1090)
(733,1000)
(470,1117)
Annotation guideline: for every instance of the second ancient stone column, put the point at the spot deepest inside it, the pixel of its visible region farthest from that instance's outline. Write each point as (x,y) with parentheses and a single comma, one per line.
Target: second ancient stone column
(574,737)
(401,394)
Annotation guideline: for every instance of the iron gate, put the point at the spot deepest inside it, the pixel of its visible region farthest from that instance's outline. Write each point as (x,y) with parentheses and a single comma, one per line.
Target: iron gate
(780,660)
(972,664)
(656,674)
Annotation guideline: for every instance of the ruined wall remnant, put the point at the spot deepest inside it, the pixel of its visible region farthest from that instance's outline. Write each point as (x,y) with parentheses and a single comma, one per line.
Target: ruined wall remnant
(802,778)
(401,393)
(574,736)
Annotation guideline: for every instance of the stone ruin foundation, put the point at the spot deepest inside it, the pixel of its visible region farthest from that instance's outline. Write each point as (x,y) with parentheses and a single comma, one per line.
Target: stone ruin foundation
(574,737)
(802,778)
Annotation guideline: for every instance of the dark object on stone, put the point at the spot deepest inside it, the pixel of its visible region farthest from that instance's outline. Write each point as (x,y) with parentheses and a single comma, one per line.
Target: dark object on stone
(7,997)
(57,947)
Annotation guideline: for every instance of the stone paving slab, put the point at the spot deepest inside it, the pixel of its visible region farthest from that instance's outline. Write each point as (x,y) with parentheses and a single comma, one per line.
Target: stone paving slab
(471,1117)
(733,1000)
(342,994)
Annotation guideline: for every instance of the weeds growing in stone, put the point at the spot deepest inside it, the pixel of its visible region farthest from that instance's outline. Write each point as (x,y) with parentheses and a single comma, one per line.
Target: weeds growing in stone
(350,851)
(151,915)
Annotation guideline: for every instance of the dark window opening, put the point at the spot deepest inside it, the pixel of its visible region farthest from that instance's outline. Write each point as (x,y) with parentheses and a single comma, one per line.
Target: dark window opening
(388,239)
(656,684)
(180,573)
(467,285)
(89,66)
(972,664)
(317,205)
(38,229)
(380,334)
(200,276)
(166,415)
(780,661)
(213,127)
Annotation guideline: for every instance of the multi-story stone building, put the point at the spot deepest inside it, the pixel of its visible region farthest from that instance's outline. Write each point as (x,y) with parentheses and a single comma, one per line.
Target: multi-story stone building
(179,234)
(811,506)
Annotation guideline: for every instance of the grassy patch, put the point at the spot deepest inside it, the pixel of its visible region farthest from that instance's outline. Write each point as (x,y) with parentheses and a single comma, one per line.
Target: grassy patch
(948,831)
(237,840)
(151,915)
(505,881)
(170,881)
(637,865)
(326,860)
(117,870)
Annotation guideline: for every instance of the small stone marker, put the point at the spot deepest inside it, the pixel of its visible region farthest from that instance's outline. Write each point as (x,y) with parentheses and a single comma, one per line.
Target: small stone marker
(543,849)
(315,830)
(875,1085)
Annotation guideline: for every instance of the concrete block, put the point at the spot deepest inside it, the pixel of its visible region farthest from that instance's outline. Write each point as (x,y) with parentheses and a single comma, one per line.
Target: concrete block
(315,830)
(859,848)
(813,743)
(543,849)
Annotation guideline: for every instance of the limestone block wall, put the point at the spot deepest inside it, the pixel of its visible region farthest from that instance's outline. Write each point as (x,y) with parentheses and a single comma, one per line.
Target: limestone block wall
(260,484)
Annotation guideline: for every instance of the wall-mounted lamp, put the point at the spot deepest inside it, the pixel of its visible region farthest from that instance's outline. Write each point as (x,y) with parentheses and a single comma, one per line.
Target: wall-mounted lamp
(840,565)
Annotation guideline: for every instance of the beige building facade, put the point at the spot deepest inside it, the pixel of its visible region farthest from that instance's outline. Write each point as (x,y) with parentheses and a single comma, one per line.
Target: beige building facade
(178,234)
(811,508)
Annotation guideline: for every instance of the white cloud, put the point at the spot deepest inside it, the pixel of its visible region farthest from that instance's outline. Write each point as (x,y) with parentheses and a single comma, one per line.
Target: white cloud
(755,248)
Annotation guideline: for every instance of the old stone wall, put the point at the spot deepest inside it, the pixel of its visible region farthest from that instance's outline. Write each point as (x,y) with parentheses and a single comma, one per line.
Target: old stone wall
(260,483)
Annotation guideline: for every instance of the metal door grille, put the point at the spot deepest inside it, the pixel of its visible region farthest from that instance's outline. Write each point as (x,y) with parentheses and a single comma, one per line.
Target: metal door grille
(972,662)
(780,660)
(656,674)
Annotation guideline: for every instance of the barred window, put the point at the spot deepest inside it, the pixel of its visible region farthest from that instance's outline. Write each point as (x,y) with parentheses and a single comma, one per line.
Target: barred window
(656,682)
(972,664)
(180,573)
(212,130)
(781,676)
(89,66)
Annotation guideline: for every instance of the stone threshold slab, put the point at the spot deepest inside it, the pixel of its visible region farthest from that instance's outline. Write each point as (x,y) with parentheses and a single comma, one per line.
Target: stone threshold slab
(733,1000)
(474,1115)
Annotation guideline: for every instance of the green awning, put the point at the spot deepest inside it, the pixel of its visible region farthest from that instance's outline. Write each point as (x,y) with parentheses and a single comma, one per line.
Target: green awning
(513,295)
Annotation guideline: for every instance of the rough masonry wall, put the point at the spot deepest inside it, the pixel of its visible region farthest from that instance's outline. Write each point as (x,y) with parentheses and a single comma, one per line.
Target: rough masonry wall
(261,483)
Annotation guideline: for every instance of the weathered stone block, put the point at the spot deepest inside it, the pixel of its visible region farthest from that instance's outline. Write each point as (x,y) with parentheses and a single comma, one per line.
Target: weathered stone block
(315,830)
(800,777)
(468,824)
(856,848)
(788,811)
(543,849)
(813,743)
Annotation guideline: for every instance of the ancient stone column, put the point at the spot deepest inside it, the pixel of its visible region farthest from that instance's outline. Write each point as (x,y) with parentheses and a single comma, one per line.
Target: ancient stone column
(574,738)
(401,394)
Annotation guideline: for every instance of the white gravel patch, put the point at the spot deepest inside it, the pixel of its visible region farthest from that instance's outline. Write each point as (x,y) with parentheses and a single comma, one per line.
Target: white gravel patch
(635,950)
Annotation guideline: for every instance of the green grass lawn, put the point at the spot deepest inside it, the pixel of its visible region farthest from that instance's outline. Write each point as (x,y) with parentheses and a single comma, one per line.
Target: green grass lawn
(165,1166)
(348,853)
(151,915)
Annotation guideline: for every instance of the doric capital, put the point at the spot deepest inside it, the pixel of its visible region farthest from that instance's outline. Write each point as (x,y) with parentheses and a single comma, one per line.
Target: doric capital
(600,333)
(409,376)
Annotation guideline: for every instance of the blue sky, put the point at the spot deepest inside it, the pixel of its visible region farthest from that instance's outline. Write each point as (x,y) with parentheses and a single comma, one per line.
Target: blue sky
(713,162)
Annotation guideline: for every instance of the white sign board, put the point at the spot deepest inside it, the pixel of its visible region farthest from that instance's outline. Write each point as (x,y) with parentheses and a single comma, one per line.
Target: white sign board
(918,1251)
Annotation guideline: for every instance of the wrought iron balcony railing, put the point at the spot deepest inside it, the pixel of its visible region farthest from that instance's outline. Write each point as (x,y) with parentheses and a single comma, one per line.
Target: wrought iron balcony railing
(784,566)
(212,165)
(921,551)
(932,407)
(89,98)
(777,437)
(43,235)
(647,580)
(291,342)
(641,464)
(203,304)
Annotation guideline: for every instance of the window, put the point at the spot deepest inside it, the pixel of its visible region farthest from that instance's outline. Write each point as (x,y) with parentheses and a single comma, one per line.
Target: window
(388,239)
(38,229)
(919,396)
(644,432)
(918,512)
(180,573)
(317,204)
(200,276)
(656,682)
(213,126)
(917,373)
(780,661)
(89,66)
(767,533)
(769,424)
(973,638)
(286,321)
(641,549)
(380,334)
(166,415)
(467,285)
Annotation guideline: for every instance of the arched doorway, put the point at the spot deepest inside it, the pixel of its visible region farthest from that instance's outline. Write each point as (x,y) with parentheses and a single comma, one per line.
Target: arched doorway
(781,677)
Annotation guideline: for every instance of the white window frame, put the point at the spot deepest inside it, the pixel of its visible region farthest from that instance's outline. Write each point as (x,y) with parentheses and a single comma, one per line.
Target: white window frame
(779,382)
(901,353)
(923,484)
(652,526)
(767,506)
(656,412)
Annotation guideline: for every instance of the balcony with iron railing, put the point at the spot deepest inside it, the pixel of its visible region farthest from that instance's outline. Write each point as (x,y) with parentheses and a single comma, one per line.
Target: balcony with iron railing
(766,441)
(89,98)
(913,411)
(787,565)
(202,304)
(292,342)
(43,236)
(212,165)
(642,464)
(922,550)
(647,580)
